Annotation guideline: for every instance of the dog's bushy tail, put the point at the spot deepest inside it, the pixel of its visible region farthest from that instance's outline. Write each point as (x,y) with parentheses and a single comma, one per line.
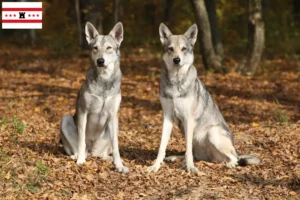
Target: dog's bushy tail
(244,160)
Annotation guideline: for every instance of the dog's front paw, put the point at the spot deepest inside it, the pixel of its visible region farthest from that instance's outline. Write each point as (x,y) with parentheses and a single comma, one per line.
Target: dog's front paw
(80,161)
(153,168)
(231,164)
(74,157)
(122,169)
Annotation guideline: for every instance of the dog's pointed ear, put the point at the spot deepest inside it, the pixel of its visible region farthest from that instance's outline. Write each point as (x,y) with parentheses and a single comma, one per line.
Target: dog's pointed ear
(117,33)
(191,34)
(90,32)
(164,33)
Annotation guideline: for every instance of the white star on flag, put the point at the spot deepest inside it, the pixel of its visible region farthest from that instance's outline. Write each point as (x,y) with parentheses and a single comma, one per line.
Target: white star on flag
(22,15)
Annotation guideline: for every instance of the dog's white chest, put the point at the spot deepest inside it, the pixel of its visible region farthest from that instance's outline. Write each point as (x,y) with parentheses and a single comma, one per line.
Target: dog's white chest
(182,107)
(100,110)
(96,104)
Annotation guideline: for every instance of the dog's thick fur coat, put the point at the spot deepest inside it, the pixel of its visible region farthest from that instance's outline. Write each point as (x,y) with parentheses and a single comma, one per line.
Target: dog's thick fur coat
(186,101)
(93,130)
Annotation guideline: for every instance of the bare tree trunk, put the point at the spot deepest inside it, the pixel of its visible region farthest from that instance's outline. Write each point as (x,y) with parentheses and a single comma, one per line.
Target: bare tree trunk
(100,24)
(297,11)
(32,37)
(210,60)
(168,8)
(31,33)
(78,16)
(95,16)
(121,9)
(256,39)
(92,15)
(116,10)
(214,27)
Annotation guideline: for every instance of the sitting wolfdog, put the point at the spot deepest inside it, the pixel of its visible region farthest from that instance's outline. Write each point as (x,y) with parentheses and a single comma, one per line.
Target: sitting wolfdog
(94,127)
(186,102)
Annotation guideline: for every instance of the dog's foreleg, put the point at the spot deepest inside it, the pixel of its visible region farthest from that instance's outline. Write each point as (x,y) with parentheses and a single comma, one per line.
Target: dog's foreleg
(189,130)
(166,132)
(113,126)
(82,119)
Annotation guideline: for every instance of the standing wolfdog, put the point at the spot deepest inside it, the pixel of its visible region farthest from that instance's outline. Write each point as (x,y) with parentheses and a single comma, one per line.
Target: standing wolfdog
(186,102)
(94,127)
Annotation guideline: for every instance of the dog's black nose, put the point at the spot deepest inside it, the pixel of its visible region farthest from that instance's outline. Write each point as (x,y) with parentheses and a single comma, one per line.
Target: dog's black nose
(100,61)
(176,60)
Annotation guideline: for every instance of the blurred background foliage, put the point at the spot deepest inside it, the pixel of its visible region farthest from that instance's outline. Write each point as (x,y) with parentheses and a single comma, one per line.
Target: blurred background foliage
(141,20)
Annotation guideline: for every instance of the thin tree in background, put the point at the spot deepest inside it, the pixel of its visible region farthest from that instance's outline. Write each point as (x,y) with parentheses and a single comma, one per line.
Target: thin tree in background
(296,4)
(211,60)
(78,17)
(89,11)
(167,11)
(116,6)
(31,32)
(256,38)
(214,27)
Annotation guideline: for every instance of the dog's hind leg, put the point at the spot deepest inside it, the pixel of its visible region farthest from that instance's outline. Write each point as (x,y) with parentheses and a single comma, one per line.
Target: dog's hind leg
(102,146)
(69,136)
(224,149)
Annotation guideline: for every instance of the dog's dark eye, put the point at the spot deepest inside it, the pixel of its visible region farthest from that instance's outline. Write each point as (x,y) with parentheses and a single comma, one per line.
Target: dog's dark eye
(95,47)
(108,48)
(170,49)
(183,49)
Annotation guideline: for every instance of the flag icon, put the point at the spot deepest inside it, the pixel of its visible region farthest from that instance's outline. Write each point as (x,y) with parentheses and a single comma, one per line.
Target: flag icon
(22,15)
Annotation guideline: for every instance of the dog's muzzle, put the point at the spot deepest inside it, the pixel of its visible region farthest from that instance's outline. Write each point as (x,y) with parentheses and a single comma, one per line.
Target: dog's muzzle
(100,62)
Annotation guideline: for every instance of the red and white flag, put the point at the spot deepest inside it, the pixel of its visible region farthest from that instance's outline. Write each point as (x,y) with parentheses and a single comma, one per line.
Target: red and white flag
(22,15)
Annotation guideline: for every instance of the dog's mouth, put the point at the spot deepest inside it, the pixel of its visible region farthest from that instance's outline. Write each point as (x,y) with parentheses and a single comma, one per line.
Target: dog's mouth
(177,65)
(100,65)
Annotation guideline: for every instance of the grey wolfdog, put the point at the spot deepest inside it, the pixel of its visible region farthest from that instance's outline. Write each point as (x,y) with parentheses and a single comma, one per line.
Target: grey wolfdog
(186,102)
(94,127)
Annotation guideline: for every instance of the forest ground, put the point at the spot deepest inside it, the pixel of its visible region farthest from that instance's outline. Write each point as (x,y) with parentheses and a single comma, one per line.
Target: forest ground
(38,87)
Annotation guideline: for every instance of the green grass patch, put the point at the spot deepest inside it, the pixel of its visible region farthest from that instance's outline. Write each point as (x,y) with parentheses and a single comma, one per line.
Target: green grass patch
(41,169)
(279,115)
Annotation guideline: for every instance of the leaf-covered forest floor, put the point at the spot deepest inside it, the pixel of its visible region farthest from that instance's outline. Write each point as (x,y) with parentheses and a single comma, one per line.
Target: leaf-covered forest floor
(37,88)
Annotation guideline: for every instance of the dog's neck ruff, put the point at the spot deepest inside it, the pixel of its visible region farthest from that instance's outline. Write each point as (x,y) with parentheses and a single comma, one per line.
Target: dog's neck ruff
(178,75)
